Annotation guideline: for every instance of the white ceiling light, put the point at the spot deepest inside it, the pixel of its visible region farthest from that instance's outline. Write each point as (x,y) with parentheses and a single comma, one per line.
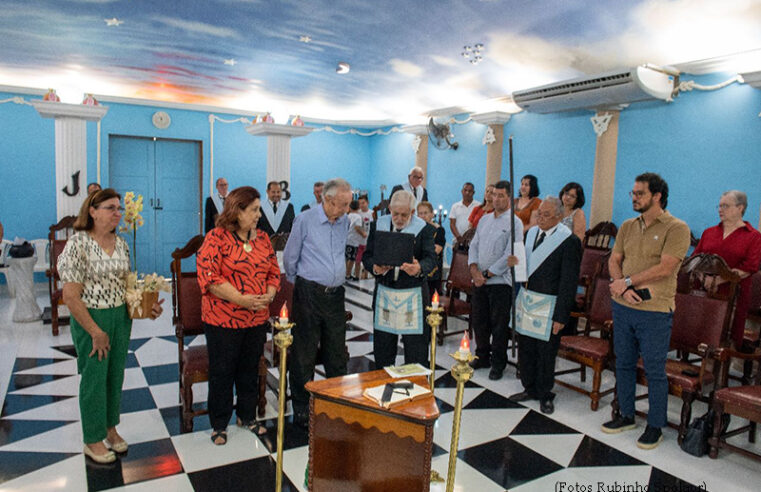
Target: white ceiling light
(343,67)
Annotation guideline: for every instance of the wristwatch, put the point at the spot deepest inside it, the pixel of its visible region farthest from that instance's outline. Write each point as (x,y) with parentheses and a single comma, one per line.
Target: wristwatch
(485,273)
(628,281)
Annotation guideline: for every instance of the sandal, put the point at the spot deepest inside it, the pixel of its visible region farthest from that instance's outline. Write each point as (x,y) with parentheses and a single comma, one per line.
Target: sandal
(219,434)
(254,426)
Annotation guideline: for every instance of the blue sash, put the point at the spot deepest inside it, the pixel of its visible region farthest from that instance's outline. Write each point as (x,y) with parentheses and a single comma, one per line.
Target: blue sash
(537,256)
(414,227)
(399,311)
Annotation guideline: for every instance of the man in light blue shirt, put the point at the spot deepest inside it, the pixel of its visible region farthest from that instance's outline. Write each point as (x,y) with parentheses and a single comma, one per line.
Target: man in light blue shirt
(314,261)
(493,293)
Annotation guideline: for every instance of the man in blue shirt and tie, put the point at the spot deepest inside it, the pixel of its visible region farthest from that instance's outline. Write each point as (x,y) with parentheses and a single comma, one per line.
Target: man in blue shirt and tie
(314,261)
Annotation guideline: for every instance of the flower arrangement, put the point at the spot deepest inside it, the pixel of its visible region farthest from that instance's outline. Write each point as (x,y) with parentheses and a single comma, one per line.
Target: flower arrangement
(142,290)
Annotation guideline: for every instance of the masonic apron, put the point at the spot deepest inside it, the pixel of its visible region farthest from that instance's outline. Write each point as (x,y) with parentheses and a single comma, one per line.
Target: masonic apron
(399,311)
(533,311)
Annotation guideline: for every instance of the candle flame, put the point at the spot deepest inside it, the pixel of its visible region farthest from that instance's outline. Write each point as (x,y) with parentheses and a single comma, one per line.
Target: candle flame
(435,297)
(465,343)
(284,311)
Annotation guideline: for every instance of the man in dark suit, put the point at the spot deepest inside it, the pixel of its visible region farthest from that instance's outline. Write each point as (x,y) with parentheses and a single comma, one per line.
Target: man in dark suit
(215,204)
(277,215)
(414,185)
(401,292)
(553,256)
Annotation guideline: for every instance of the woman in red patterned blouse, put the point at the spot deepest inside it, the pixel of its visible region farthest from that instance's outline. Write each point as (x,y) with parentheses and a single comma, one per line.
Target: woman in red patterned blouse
(239,275)
(739,244)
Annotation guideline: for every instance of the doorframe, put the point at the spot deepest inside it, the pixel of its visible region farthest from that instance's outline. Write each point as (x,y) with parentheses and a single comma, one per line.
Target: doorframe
(200,165)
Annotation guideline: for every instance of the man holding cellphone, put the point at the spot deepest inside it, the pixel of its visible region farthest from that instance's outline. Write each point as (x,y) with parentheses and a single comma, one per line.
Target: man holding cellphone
(643,266)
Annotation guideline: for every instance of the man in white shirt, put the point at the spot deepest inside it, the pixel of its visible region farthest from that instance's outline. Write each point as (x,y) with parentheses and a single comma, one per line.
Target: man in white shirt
(460,212)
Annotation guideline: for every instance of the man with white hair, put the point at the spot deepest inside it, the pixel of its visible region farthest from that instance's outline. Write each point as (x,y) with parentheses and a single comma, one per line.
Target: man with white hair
(414,185)
(314,261)
(215,204)
(401,292)
(553,256)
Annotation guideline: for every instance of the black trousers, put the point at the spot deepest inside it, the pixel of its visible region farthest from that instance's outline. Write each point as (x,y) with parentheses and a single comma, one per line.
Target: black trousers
(415,347)
(490,306)
(233,361)
(536,360)
(320,318)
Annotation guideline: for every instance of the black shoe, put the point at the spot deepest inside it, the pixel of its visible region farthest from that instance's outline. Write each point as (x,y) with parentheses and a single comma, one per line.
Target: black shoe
(650,439)
(522,396)
(546,406)
(480,363)
(496,373)
(619,424)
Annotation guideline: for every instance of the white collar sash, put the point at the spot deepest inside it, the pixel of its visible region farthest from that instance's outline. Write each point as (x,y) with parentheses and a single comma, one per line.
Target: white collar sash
(274,218)
(217,199)
(414,227)
(535,257)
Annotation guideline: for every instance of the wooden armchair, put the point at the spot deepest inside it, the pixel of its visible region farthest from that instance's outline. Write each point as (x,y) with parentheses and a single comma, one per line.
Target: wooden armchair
(601,236)
(597,246)
(57,236)
(743,401)
(703,315)
(752,337)
(589,351)
(278,241)
(186,317)
(458,281)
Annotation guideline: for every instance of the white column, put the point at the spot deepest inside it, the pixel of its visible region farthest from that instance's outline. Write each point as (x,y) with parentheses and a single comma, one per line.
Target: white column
(278,147)
(496,120)
(70,150)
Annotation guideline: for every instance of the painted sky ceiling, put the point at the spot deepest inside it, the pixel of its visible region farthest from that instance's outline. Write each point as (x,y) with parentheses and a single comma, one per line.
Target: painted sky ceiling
(405,55)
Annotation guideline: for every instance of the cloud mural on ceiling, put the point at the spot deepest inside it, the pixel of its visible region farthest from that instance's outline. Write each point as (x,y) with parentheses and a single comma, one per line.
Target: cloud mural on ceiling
(405,55)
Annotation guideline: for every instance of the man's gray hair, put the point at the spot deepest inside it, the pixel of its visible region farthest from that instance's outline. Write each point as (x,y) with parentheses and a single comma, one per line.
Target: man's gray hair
(335,185)
(416,168)
(403,198)
(556,203)
(740,198)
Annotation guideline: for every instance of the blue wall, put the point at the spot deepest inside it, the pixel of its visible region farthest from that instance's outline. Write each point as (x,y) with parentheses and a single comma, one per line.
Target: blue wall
(703,143)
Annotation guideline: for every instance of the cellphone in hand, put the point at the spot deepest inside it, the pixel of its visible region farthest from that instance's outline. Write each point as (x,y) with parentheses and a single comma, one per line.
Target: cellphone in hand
(643,294)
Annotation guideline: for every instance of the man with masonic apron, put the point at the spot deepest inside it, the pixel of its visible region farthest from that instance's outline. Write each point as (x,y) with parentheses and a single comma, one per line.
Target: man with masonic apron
(401,292)
(543,307)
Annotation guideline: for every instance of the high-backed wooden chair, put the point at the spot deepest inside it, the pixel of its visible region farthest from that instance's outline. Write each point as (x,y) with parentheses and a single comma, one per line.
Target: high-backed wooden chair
(742,401)
(591,351)
(596,249)
(458,281)
(278,241)
(703,315)
(601,236)
(186,317)
(752,337)
(57,236)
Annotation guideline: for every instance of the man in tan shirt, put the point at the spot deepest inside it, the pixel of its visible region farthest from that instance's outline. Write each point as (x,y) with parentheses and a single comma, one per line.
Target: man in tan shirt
(643,266)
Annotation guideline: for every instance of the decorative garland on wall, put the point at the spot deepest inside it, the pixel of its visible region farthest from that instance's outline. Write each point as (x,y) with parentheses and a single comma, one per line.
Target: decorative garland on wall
(689,85)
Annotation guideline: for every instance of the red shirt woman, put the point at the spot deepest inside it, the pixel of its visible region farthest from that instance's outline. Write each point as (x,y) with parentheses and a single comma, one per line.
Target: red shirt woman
(739,244)
(239,276)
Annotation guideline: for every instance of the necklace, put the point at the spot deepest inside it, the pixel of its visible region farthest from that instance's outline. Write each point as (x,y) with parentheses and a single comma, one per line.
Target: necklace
(247,243)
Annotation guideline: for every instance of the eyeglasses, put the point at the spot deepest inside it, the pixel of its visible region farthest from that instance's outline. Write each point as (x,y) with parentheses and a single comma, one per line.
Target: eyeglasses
(112,208)
(638,194)
(724,206)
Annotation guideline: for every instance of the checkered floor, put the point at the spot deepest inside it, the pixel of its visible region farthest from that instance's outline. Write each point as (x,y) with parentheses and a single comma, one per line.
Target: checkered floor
(503,445)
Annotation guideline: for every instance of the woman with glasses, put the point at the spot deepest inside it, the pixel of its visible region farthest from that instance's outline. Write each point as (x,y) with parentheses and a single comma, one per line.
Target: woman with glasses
(739,244)
(572,196)
(93,268)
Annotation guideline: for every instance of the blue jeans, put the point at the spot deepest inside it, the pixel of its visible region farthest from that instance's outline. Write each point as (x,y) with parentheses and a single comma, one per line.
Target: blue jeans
(643,334)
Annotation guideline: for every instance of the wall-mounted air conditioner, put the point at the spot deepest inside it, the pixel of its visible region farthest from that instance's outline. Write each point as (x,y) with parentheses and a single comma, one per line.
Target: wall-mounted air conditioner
(604,91)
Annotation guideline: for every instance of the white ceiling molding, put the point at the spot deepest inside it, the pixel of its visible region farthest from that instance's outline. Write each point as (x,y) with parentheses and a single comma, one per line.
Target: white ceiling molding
(49,109)
(268,129)
(753,79)
(416,129)
(491,118)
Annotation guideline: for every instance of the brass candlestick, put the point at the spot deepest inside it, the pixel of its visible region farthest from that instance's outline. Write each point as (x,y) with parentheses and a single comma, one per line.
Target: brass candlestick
(283,340)
(462,372)
(434,320)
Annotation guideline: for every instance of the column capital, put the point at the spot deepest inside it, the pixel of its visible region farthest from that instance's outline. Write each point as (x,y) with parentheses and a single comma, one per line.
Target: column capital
(421,130)
(491,118)
(269,129)
(49,109)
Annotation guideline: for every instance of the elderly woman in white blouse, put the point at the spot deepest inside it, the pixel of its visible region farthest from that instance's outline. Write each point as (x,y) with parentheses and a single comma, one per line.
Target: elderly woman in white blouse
(93,267)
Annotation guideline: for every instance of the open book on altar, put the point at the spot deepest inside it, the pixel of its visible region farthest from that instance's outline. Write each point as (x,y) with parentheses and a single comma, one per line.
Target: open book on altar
(398,392)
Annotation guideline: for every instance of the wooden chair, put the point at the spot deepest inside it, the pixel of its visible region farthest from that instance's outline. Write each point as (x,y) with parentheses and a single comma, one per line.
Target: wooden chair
(751,337)
(57,236)
(278,241)
(742,401)
(601,236)
(702,316)
(186,317)
(458,281)
(589,351)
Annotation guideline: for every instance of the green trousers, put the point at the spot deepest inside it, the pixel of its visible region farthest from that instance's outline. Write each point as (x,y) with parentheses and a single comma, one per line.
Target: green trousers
(100,390)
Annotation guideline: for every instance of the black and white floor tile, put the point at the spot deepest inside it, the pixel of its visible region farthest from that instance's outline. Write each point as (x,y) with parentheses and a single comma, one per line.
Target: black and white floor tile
(503,445)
